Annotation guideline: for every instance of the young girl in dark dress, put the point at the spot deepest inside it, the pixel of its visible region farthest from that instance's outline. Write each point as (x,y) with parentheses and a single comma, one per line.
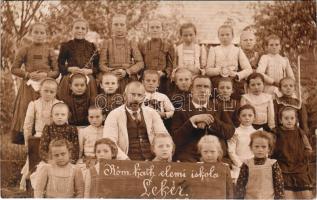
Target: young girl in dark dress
(79,100)
(78,56)
(292,153)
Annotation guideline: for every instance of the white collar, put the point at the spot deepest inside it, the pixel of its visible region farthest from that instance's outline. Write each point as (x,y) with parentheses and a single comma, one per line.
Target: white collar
(197,106)
(131,112)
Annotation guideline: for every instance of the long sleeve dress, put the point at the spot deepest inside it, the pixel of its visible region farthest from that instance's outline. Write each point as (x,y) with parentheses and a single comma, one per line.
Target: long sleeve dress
(77,53)
(34,57)
(120,53)
(222,59)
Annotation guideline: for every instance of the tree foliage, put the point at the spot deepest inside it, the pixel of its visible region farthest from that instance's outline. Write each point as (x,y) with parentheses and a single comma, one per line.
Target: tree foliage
(16,19)
(97,13)
(293,21)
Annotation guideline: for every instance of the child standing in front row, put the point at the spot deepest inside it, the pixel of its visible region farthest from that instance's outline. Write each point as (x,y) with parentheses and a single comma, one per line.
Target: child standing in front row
(210,150)
(40,62)
(227,60)
(189,54)
(37,116)
(163,147)
(273,66)
(292,153)
(59,179)
(260,177)
(238,145)
(104,149)
(261,101)
(59,129)
(89,135)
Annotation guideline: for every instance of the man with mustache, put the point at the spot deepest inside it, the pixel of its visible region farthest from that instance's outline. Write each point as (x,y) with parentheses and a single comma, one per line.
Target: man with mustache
(196,119)
(132,126)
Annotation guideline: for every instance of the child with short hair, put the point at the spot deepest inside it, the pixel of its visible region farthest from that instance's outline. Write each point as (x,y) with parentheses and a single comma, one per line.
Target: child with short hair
(104,149)
(110,97)
(37,116)
(288,98)
(158,54)
(78,56)
(59,129)
(40,62)
(79,100)
(163,147)
(238,145)
(227,60)
(180,93)
(89,135)
(273,66)
(260,177)
(225,102)
(292,153)
(119,55)
(261,101)
(158,101)
(247,44)
(189,54)
(59,179)
(210,150)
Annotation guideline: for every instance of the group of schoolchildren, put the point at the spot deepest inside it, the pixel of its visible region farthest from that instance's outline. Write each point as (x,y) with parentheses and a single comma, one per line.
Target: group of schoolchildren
(256,93)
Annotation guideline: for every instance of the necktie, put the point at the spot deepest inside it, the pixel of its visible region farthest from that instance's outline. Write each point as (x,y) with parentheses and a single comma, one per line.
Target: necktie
(136,116)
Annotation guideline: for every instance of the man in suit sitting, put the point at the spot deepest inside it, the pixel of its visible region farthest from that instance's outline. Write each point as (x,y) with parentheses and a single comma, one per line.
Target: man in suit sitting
(196,119)
(132,126)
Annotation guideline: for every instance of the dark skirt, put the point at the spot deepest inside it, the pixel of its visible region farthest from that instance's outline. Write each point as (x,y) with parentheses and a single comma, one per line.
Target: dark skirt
(25,95)
(64,89)
(298,181)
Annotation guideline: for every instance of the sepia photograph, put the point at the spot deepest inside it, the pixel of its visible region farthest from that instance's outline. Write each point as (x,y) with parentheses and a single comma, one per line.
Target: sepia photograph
(153,99)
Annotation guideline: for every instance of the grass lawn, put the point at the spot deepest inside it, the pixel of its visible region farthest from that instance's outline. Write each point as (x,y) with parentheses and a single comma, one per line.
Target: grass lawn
(12,160)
